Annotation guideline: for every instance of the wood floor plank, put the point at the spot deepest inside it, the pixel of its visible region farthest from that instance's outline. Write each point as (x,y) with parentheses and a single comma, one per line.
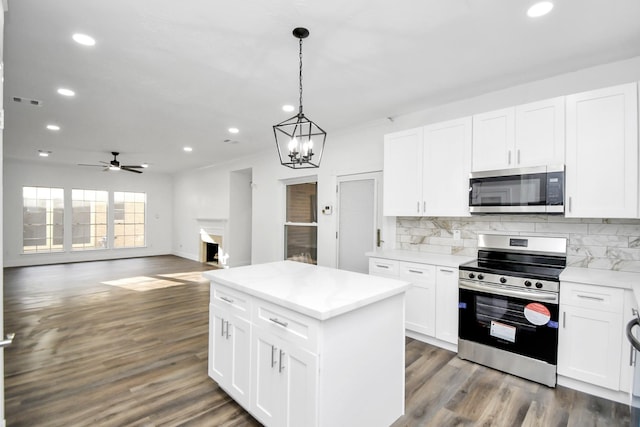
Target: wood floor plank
(91,354)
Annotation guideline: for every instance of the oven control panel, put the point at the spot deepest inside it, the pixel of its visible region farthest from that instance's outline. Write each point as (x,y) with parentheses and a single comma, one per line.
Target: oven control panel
(514,281)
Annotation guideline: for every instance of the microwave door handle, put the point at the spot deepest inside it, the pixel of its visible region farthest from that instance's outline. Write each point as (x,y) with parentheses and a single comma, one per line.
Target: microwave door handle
(538,296)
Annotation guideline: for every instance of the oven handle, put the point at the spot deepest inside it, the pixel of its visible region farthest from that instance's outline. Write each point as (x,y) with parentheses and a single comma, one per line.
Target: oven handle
(536,296)
(632,339)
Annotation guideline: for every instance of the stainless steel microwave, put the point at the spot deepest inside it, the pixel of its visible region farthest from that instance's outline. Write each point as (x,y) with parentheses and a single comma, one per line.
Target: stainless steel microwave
(521,190)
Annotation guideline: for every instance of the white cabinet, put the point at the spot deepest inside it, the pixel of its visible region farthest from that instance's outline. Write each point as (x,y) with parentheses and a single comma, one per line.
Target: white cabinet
(431,303)
(402,185)
(447,304)
(446,167)
(426,170)
(590,338)
(230,340)
(602,153)
(525,135)
(420,300)
(285,382)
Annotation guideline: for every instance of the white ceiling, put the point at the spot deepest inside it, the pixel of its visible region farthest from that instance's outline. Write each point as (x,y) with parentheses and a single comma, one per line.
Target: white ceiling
(165,74)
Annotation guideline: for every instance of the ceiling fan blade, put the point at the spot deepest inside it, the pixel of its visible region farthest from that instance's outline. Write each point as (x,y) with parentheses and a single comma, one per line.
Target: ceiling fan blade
(128,169)
(132,166)
(84,164)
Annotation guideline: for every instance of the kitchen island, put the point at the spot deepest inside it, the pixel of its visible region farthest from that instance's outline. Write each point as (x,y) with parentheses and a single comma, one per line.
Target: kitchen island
(300,345)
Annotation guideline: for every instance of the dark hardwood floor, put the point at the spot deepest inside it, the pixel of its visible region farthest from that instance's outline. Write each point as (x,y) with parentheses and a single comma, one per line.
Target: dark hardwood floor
(134,353)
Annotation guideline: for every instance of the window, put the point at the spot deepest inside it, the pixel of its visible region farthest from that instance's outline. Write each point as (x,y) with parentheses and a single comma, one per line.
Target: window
(300,228)
(89,215)
(129,219)
(42,219)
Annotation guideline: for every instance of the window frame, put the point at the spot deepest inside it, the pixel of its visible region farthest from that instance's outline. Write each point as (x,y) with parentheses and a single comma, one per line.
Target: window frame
(290,225)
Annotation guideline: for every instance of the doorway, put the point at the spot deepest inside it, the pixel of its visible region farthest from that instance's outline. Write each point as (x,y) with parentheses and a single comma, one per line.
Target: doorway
(359,211)
(240,212)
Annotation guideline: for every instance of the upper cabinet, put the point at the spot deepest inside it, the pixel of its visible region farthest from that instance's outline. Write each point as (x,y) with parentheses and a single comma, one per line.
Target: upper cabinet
(402,184)
(426,170)
(602,153)
(525,135)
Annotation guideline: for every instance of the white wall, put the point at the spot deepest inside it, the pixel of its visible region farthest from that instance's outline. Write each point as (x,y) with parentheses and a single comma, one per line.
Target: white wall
(238,244)
(159,208)
(205,192)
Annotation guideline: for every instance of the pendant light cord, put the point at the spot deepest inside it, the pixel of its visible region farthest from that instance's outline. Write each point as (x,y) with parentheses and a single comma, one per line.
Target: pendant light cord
(300,108)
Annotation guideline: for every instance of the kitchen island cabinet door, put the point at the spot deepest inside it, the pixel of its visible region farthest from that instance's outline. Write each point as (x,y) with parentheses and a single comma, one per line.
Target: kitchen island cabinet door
(602,153)
(402,184)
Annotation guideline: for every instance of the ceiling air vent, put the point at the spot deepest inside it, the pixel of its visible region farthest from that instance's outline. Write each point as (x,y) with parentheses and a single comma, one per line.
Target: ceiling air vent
(33,102)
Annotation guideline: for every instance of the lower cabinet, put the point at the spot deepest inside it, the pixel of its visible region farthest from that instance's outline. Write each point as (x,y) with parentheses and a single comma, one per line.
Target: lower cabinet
(431,303)
(590,338)
(229,356)
(285,391)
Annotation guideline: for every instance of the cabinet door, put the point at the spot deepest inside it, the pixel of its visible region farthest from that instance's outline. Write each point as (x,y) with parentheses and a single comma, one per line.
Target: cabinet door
(446,167)
(420,299)
(402,184)
(240,342)
(220,351)
(540,133)
(602,153)
(447,304)
(300,368)
(589,346)
(493,140)
(266,400)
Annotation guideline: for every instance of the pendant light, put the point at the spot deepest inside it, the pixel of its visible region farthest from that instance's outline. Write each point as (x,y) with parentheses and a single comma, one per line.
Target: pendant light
(300,141)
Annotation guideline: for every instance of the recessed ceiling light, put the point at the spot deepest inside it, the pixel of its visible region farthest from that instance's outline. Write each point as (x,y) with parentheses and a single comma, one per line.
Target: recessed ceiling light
(43,153)
(84,39)
(53,127)
(288,108)
(234,130)
(540,9)
(66,92)
(188,149)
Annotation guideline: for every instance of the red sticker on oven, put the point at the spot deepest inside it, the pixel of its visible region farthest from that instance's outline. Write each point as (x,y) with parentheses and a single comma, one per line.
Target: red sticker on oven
(537,313)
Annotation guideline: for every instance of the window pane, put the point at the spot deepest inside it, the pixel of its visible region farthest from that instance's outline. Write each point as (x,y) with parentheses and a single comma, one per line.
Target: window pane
(301,243)
(42,219)
(129,219)
(89,216)
(301,203)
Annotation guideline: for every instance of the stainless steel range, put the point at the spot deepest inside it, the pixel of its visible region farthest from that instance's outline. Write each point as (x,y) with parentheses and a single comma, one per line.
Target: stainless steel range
(509,305)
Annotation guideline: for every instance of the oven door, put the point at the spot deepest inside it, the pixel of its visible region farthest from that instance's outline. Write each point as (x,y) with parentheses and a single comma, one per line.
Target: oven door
(524,190)
(516,320)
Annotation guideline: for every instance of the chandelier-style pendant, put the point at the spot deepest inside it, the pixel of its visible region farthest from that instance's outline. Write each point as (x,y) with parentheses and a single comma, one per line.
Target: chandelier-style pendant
(300,141)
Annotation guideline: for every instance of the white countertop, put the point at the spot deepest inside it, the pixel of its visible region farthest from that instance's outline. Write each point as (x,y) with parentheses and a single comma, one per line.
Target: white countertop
(318,292)
(612,278)
(422,257)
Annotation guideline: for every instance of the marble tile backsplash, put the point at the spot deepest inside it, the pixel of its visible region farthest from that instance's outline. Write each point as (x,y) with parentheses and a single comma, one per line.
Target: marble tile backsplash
(611,244)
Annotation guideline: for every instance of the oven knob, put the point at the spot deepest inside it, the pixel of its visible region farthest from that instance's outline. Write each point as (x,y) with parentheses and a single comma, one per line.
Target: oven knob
(480,277)
(471,275)
(538,285)
(527,283)
(503,280)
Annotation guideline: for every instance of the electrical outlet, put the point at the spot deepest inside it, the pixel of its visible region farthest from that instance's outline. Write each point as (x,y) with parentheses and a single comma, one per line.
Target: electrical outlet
(456,234)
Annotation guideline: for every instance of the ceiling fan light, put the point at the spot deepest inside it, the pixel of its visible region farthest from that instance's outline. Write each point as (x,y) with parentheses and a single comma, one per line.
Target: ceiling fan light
(66,92)
(539,9)
(114,168)
(84,39)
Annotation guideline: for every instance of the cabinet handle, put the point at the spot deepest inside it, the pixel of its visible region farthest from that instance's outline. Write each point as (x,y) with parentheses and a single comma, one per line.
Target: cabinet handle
(518,156)
(279,322)
(632,353)
(280,365)
(382,266)
(564,319)
(221,327)
(416,271)
(509,157)
(227,332)
(569,203)
(590,297)
(444,270)
(424,207)
(273,359)
(418,206)
(225,299)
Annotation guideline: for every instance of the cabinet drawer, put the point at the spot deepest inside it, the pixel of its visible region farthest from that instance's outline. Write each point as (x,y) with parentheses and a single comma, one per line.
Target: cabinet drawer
(589,296)
(418,273)
(383,267)
(236,302)
(291,326)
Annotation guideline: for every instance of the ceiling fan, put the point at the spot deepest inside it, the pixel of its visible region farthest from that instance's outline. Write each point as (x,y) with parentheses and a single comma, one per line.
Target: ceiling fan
(114,165)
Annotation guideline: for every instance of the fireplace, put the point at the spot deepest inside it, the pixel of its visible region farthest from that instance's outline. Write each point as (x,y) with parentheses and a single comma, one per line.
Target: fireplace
(211,248)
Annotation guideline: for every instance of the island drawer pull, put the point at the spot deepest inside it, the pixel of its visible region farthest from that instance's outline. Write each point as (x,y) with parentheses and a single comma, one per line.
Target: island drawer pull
(279,322)
(280,365)
(590,297)
(382,266)
(273,359)
(416,271)
(225,299)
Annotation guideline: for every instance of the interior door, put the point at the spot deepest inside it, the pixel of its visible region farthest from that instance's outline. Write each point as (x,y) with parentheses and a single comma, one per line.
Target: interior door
(359,213)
